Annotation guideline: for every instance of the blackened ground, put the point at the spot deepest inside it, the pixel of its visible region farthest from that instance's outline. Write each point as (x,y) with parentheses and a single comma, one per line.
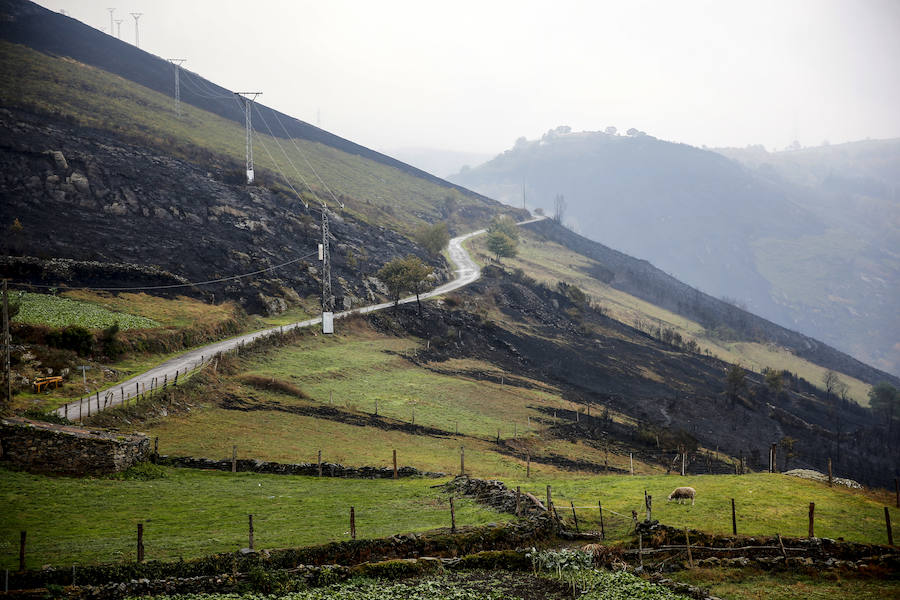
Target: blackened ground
(94,210)
(677,397)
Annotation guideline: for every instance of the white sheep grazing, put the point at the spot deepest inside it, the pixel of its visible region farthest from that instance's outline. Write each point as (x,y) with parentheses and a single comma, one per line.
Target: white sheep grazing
(683,493)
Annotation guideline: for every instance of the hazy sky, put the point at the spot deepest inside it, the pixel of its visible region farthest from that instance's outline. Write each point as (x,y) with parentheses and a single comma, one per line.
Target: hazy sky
(474,76)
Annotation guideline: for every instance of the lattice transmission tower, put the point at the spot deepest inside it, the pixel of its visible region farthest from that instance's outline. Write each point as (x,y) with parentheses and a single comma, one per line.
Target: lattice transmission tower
(176,62)
(247,99)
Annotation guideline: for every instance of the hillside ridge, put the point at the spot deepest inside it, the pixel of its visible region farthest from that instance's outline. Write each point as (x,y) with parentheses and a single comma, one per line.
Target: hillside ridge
(52,33)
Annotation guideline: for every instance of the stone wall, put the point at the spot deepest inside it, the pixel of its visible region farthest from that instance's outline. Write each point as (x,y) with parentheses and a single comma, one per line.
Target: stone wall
(311,469)
(494,494)
(40,447)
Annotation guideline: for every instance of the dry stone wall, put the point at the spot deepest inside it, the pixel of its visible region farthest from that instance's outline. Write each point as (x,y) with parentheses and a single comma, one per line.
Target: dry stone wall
(311,469)
(39,447)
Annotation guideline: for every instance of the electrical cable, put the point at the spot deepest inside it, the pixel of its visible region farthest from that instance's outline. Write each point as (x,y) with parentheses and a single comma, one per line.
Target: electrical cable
(171,286)
(274,137)
(275,162)
(303,154)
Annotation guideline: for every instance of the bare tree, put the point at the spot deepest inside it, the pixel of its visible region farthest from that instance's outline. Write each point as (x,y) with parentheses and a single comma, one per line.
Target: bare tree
(559,208)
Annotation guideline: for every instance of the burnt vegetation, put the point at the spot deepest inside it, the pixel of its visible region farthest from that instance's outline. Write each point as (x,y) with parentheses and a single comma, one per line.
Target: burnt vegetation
(679,398)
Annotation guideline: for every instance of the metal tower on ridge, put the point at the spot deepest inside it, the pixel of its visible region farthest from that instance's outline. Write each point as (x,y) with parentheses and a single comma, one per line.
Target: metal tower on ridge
(248,104)
(176,62)
(137,37)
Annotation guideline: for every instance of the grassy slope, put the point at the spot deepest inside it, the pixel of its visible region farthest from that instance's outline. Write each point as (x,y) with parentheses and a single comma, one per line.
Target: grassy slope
(83,306)
(549,262)
(765,504)
(95,98)
(193,513)
(354,368)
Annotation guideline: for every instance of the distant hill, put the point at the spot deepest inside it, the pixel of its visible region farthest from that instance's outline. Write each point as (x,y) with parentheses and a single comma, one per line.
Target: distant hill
(808,242)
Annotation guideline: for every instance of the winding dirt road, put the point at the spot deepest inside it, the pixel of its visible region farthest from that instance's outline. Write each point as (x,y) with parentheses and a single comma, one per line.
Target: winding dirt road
(465,271)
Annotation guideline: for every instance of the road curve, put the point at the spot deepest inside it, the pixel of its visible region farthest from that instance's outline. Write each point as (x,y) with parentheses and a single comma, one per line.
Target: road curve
(466,271)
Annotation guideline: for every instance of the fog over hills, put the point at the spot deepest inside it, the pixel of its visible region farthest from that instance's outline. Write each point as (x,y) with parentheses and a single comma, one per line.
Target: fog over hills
(808,238)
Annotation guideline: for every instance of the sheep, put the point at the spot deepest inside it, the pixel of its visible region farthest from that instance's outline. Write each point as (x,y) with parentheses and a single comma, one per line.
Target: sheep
(682,493)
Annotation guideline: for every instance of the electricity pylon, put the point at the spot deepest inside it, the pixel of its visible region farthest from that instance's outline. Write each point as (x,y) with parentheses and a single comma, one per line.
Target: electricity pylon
(176,62)
(137,37)
(248,104)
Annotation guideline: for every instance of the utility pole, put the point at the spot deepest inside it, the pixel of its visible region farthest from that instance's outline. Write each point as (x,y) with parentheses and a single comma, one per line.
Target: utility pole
(111,11)
(327,298)
(118,23)
(137,37)
(248,103)
(177,64)
(6,343)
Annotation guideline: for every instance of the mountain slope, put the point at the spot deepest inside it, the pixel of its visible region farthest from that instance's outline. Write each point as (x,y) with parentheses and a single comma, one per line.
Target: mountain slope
(772,242)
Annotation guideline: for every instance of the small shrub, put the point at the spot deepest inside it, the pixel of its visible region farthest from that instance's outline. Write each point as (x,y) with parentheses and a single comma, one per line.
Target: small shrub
(74,337)
(145,471)
(35,414)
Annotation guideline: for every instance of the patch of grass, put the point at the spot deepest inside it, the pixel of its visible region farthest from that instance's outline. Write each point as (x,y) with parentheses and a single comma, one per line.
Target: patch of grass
(752,584)
(193,513)
(356,372)
(765,504)
(169,312)
(58,311)
(286,437)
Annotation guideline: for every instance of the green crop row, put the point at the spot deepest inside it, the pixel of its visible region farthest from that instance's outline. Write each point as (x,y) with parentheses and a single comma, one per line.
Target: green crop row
(56,311)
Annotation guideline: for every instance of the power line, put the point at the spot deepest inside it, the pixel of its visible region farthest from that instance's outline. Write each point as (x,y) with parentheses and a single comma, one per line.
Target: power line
(296,170)
(309,164)
(171,286)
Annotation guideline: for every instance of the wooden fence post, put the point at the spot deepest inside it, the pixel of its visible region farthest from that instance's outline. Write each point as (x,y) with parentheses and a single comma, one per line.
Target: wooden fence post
(812,514)
(518,501)
(574,515)
(602,531)
(830,479)
(22,536)
(631,459)
(251,532)
(687,541)
(733,519)
(156,445)
(774,458)
(234,459)
(452,516)
(462,460)
(887,522)
(395,463)
(549,497)
(528,467)
(140,542)
(641,549)
(781,544)
(319,463)
(352,523)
